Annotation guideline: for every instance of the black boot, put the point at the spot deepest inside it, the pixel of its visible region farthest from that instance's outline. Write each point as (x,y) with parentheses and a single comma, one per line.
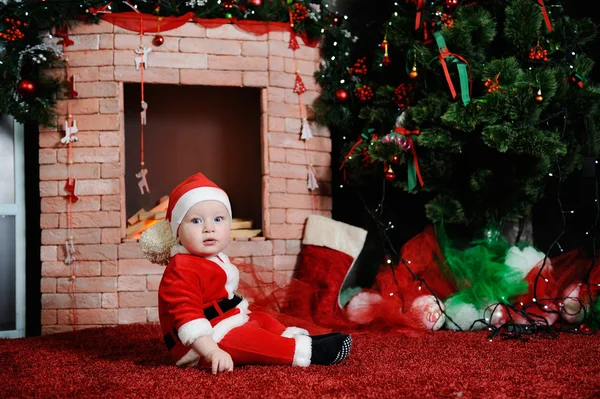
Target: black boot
(331,350)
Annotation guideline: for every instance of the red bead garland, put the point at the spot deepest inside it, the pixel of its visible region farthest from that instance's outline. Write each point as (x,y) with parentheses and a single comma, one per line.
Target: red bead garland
(537,53)
(364,93)
(402,95)
(359,67)
(13,32)
(300,13)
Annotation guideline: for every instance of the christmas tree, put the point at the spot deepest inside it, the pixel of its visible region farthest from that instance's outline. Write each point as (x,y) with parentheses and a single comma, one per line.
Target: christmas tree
(475,106)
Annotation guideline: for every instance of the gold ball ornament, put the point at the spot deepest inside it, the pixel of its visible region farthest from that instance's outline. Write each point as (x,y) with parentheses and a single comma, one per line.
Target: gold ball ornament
(413,74)
(539,98)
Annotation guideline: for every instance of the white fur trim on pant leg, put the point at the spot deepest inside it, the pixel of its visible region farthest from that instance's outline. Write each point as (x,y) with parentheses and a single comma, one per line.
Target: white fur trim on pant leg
(192,330)
(291,331)
(303,351)
(325,232)
(228,324)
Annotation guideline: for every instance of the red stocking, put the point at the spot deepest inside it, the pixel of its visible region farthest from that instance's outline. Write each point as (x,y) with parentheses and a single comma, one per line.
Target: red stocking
(329,251)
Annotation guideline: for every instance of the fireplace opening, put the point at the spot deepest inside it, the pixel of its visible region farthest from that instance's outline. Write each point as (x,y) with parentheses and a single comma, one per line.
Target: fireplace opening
(190,129)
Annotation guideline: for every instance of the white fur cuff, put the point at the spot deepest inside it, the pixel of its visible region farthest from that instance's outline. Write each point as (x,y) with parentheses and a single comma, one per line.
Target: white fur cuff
(303,351)
(325,232)
(292,331)
(192,330)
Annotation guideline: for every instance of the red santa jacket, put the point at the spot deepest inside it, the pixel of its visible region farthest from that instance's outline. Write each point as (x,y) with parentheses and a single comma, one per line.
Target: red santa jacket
(189,285)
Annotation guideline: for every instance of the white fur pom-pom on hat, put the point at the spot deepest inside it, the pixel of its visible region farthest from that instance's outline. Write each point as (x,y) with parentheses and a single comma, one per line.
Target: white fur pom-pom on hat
(157,241)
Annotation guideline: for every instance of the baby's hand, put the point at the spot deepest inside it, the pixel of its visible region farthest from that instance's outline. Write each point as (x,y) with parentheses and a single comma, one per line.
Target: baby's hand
(220,360)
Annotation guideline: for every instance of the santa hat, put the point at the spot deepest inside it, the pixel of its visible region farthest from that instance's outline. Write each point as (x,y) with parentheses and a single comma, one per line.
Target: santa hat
(156,242)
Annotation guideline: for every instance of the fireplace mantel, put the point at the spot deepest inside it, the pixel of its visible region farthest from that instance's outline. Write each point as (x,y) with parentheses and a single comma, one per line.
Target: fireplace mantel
(113,283)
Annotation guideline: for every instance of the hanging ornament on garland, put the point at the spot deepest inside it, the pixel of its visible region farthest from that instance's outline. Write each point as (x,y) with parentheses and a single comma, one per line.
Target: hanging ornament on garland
(257,3)
(13,32)
(364,93)
(538,53)
(386,59)
(299,87)
(413,74)
(158,40)
(341,95)
(359,67)
(389,173)
(402,95)
(539,98)
(26,89)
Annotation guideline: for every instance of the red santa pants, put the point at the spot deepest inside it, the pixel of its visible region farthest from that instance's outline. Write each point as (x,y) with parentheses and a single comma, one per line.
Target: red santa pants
(259,341)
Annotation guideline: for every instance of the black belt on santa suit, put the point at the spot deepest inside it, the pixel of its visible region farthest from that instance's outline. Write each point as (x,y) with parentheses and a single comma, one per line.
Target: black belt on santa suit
(210,312)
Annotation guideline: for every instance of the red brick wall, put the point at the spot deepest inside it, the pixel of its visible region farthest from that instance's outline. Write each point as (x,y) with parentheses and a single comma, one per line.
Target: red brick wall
(113,283)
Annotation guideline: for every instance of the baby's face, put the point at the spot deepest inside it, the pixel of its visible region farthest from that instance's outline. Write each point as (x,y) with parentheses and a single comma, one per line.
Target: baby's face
(205,228)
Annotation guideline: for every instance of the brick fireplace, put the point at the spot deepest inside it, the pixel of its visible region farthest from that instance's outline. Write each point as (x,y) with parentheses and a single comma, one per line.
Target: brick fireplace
(113,283)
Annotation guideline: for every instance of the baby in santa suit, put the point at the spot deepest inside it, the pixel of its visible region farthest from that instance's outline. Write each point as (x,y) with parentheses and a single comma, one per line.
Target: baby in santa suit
(203,320)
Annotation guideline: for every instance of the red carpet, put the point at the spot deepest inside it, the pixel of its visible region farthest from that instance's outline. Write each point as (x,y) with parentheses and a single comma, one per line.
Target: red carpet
(130,361)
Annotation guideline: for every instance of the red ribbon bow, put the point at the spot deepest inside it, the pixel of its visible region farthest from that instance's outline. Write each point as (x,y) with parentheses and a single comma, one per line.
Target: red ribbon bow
(409,134)
(445,53)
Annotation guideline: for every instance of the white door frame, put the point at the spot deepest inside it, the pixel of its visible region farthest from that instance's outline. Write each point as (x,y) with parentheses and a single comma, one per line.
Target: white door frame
(18,211)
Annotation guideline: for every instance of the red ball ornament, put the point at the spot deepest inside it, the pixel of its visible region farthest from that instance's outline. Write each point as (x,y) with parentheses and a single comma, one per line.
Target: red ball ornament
(341,95)
(26,88)
(257,3)
(389,174)
(158,40)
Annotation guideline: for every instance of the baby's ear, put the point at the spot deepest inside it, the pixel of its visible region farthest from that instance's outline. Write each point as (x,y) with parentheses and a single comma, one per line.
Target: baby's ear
(157,241)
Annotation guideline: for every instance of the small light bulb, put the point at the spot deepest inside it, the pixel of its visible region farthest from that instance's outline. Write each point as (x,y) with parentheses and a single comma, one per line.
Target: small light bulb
(342,81)
(389,261)
(341,186)
(335,43)
(550,174)
(333,58)
(534,300)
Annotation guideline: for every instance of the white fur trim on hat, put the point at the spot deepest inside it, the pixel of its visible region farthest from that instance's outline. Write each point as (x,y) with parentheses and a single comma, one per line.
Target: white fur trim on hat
(302,351)
(191,198)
